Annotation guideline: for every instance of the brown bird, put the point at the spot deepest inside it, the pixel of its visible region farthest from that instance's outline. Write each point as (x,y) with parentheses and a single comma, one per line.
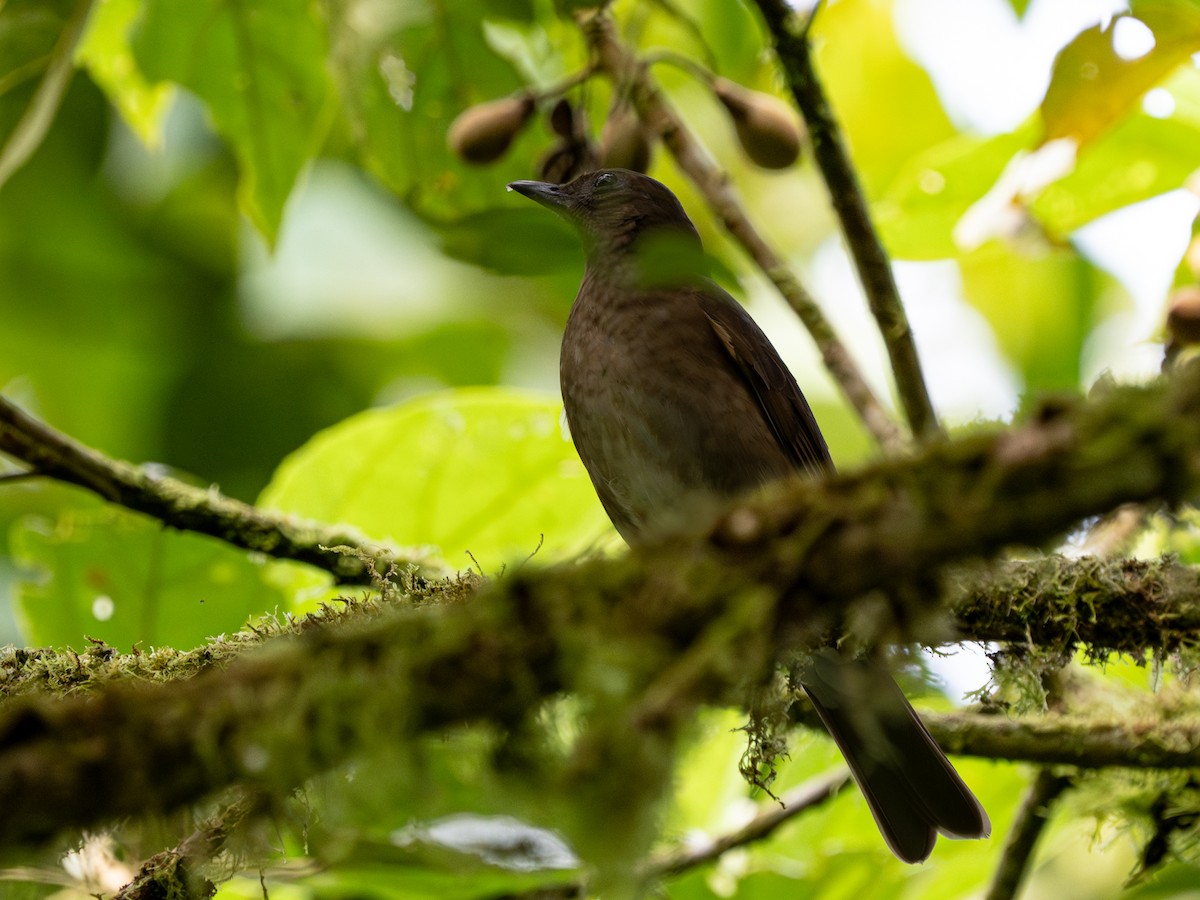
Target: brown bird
(677,404)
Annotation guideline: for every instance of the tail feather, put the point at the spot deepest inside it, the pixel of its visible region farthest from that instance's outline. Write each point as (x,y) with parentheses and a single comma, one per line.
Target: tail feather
(913,791)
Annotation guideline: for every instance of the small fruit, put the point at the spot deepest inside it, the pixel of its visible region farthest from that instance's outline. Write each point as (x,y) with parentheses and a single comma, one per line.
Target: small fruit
(624,141)
(1183,314)
(482,133)
(766,126)
(562,118)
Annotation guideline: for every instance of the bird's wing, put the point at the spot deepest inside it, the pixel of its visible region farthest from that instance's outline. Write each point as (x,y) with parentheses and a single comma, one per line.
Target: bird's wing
(779,397)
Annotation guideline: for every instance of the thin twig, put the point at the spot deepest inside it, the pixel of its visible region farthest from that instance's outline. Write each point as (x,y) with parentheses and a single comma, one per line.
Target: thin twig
(809,795)
(676,861)
(1026,829)
(660,118)
(874,269)
(51,453)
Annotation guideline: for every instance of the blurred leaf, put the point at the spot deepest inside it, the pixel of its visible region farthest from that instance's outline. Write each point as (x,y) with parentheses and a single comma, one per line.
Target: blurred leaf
(126,579)
(885,103)
(90,312)
(520,10)
(521,241)
(1092,87)
(707,781)
(480,470)
(1141,157)
(37,46)
(396,880)
(106,53)
(259,67)
(1041,306)
(1020,7)
(404,72)
(917,214)
(23,884)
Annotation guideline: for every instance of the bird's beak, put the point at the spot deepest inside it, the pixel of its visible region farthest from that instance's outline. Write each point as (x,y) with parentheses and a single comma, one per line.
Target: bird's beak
(551,196)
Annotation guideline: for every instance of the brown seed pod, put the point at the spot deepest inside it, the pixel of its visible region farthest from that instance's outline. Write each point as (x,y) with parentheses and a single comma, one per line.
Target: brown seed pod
(562,118)
(624,141)
(1183,314)
(766,126)
(482,133)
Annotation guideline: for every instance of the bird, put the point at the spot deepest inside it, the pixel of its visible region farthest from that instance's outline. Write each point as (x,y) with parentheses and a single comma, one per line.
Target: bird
(678,403)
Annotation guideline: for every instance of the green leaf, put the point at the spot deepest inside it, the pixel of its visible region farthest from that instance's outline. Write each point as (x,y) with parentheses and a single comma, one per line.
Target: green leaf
(259,66)
(126,579)
(404,75)
(917,214)
(1142,157)
(885,103)
(484,470)
(1020,7)
(105,52)
(1041,307)
(1092,87)
(37,46)
(512,241)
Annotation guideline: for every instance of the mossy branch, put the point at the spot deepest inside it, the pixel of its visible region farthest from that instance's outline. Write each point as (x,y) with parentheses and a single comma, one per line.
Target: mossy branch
(1130,606)
(691,621)
(1156,739)
(1134,607)
(52,454)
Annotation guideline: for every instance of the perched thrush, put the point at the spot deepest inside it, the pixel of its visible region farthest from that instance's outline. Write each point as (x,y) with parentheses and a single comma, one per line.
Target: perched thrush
(677,404)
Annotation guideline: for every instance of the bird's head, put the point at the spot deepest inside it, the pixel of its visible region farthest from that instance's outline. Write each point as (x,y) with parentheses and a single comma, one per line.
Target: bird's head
(614,210)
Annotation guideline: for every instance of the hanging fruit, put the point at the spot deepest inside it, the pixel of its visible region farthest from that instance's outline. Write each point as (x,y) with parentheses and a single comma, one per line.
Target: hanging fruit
(1183,314)
(574,152)
(481,134)
(624,141)
(767,128)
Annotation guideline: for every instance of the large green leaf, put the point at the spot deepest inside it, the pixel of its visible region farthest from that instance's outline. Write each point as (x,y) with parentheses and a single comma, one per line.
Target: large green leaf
(91,314)
(126,579)
(1042,307)
(404,72)
(1141,157)
(484,470)
(259,66)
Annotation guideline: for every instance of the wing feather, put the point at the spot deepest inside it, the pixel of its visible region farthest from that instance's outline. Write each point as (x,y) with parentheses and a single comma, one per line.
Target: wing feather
(779,397)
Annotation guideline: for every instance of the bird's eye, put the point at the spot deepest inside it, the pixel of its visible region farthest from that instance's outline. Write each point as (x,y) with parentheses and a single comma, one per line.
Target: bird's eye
(605,179)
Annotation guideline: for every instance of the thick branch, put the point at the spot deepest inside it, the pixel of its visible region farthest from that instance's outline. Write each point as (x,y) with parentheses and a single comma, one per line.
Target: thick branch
(55,455)
(692,620)
(874,270)
(1157,739)
(714,185)
(1132,606)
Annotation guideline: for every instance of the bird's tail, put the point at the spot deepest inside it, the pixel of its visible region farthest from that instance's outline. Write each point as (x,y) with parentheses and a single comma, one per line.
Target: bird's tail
(912,790)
